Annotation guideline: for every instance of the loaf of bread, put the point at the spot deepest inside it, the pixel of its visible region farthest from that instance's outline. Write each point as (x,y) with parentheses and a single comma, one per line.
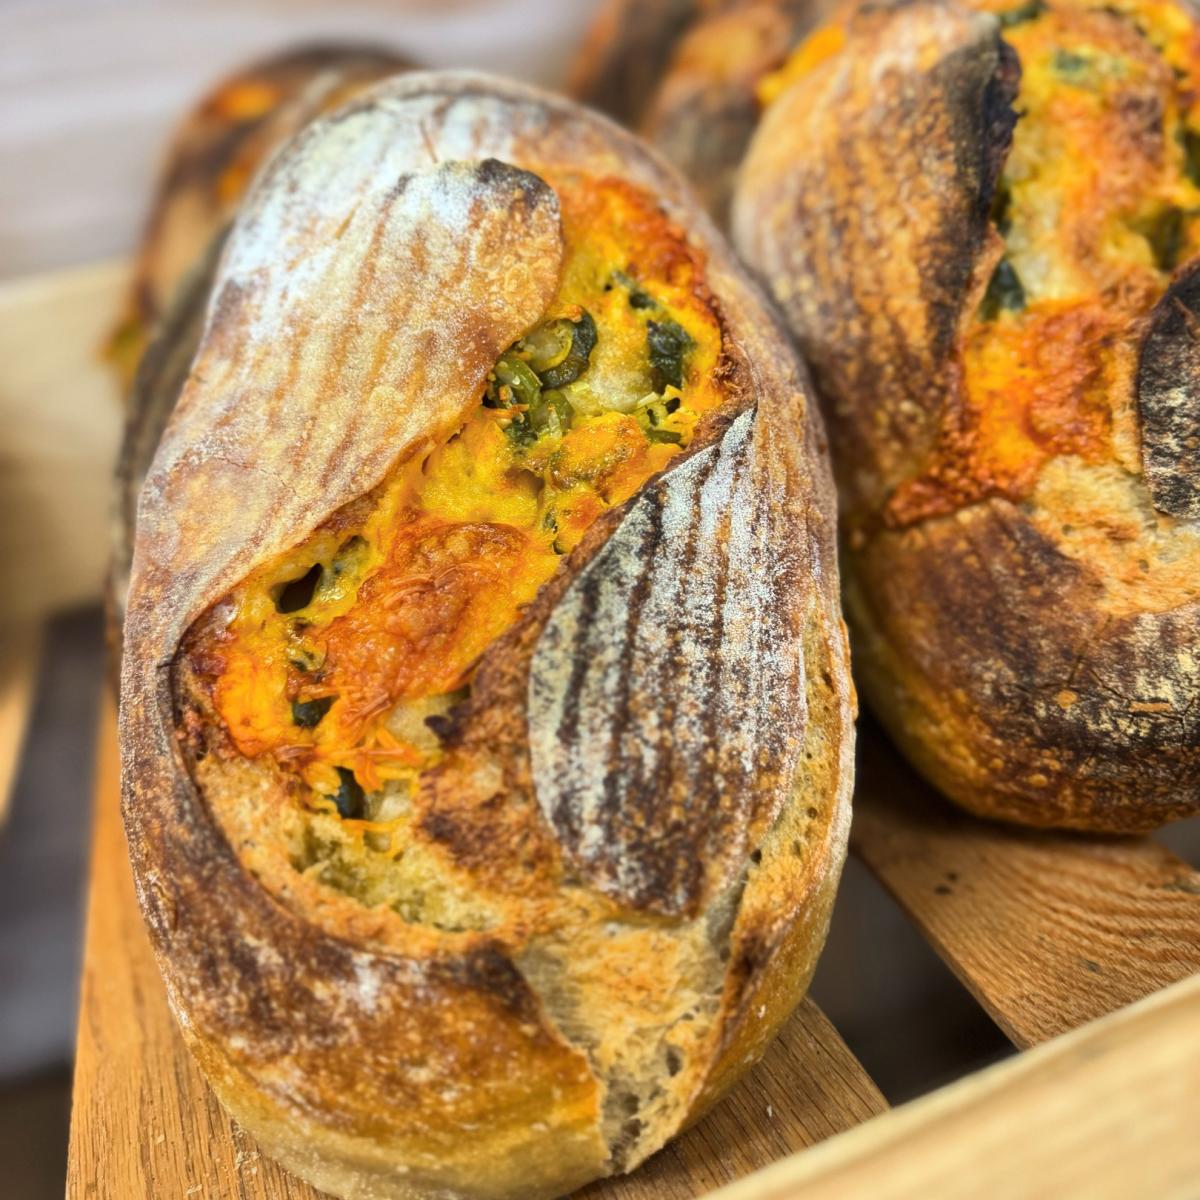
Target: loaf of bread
(486,720)
(627,47)
(984,230)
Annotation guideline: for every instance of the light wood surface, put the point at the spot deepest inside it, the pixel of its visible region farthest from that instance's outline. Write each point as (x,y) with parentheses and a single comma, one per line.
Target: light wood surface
(1047,930)
(61,417)
(20,653)
(145,1127)
(1108,1112)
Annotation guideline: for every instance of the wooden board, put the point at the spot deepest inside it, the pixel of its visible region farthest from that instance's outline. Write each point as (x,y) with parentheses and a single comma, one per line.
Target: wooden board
(61,416)
(1108,1112)
(144,1125)
(20,653)
(1047,930)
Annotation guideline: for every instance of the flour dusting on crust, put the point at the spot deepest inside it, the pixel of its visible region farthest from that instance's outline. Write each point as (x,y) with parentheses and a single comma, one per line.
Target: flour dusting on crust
(666,697)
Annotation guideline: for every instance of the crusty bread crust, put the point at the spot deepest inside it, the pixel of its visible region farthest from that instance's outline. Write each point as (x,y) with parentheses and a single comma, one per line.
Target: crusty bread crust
(159,379)
(644,886)
(1025,656)
(155,339)
(684,73)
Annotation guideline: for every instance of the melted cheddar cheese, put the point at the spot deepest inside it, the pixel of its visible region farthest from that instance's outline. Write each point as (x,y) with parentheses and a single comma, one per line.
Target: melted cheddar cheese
(329,658)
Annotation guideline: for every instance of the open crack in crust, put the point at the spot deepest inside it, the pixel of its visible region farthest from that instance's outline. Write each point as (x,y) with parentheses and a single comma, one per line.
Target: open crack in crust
(1008,367)
(542,986)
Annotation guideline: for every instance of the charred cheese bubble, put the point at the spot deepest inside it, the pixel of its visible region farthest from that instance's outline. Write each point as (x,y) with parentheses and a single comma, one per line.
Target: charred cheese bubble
(331,658)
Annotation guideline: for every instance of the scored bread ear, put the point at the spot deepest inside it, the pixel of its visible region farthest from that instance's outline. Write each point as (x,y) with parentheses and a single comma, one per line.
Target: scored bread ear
(666,697)
(160,376)
(394,294)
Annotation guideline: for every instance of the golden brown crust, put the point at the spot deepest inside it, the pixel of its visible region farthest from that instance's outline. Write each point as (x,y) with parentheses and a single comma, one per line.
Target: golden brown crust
(1025,656)
(160,377)
(685,74)
(358,1045)
(211,160)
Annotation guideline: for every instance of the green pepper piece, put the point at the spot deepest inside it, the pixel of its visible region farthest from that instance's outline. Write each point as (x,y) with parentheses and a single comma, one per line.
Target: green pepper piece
(1004,292)
(667,343)
(512,382)
(308,713)
(1028,11)
(553,414)
(637,297)
(349,555)
(1164,231)
(652,414)
(1001,213)
(583,342)
(1069,65)
(350,799)
(547,346)
(1189,139)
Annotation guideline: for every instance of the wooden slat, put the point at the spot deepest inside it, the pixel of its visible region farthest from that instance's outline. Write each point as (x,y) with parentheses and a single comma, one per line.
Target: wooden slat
(1107,1112)
(20,653)
(145,1126)
(1047,930)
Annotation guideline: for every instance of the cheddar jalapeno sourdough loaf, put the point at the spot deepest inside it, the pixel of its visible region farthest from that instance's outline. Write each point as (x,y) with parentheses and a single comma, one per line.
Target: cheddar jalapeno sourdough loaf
(486,721)
(984,231)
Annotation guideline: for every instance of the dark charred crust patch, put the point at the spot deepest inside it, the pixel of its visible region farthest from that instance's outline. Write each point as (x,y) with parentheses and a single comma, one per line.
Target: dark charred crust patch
(998,120)
(979,83)
(490,971)
(1168,399)
(1076,718)
(493,173)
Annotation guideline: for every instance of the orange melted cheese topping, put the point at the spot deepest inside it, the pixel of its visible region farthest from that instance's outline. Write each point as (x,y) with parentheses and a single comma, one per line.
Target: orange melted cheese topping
(334,653)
